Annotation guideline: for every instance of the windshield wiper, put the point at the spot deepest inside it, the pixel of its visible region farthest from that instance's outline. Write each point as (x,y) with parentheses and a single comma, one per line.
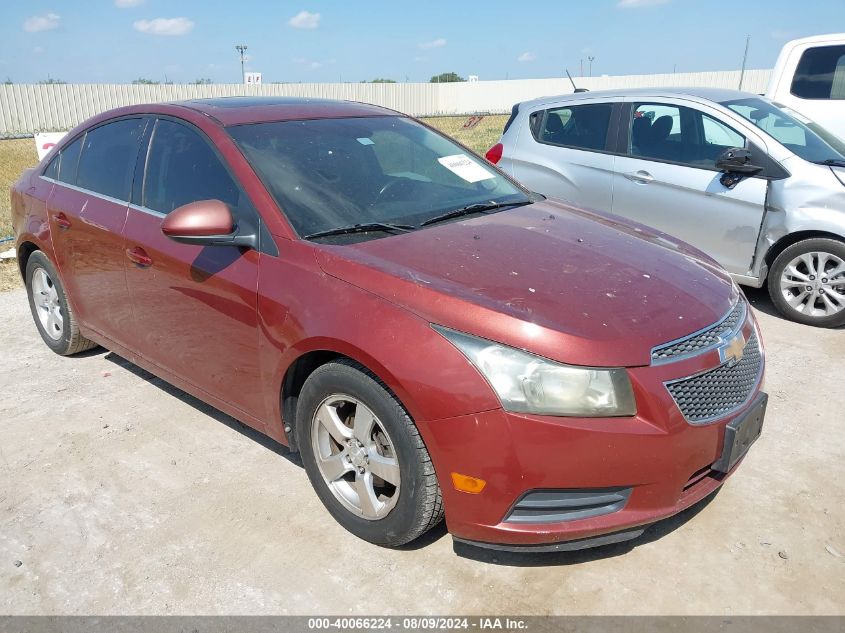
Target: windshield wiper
(471,209)
(831,162)
(362,228)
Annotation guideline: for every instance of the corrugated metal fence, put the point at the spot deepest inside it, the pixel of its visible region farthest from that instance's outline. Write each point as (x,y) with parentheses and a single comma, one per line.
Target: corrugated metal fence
(26,109)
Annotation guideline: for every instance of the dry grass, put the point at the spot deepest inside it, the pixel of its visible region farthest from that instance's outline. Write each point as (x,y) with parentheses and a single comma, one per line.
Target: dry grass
(15,156)
(478,138)
(19,154)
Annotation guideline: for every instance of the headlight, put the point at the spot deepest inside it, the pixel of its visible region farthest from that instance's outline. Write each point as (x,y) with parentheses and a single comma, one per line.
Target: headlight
(526,383)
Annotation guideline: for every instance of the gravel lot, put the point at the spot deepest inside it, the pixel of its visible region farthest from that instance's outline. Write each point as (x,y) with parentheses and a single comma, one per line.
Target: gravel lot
(120,494)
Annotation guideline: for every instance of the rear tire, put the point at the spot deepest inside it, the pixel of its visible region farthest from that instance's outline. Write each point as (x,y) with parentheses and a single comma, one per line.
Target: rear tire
(351,430)
(807,282)
(51,312)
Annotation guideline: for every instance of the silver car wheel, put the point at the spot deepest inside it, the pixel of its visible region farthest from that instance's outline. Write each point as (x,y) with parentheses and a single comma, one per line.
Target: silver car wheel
(47,305)
(814,284)
(355,456)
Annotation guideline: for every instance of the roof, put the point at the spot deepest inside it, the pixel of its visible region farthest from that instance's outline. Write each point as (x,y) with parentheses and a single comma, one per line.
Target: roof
(833,38)
(718,95)
(239,110)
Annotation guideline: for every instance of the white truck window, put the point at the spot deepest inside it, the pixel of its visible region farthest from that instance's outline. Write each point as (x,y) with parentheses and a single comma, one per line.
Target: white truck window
(820,73)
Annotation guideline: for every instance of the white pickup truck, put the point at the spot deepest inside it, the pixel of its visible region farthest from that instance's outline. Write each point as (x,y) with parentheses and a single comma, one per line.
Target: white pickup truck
(809,77)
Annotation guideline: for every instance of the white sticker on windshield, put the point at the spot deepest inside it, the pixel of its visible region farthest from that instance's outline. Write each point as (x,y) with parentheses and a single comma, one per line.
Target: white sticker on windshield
(464,167)
(366,141)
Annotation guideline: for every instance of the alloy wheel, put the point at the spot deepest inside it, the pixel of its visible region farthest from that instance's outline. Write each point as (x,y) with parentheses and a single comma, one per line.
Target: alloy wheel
(48,307)
(814,284)
(355,456)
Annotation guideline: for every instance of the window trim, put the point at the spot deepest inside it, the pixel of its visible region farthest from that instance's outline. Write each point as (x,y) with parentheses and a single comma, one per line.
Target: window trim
(88,192)
(609,144)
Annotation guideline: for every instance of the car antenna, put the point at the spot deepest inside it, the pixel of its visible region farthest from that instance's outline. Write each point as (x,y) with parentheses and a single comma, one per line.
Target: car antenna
(574,87)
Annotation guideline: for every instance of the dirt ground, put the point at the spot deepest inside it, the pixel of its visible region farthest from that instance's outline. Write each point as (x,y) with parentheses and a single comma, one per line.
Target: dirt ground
(122,495)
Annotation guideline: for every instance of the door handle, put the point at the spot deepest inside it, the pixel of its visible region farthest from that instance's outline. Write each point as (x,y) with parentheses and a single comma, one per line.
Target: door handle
(139,257)
(641,177)
(61,221)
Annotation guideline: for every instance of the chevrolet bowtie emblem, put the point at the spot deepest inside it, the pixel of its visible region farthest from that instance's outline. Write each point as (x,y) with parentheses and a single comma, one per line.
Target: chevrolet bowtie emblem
(732,350)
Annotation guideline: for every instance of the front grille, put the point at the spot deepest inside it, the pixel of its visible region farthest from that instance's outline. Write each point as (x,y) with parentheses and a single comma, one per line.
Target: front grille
(553,506)
(715,393)
(700,341)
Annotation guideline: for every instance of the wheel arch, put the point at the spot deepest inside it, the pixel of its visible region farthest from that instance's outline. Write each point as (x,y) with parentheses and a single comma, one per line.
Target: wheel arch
(25,250)
(309,360)
(793,238)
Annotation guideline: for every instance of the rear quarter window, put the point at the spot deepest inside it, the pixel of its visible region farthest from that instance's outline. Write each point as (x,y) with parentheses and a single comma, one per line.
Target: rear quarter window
(52,170)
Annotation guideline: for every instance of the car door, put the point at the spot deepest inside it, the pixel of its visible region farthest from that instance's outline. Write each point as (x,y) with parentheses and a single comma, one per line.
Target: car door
(194,307)
(668,180)
(87,212)
(563,153)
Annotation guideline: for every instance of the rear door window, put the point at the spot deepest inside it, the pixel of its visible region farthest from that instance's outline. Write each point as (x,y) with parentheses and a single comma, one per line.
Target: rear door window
(183,168)
(108,158)
(820,73)
(577,126)
(69,161)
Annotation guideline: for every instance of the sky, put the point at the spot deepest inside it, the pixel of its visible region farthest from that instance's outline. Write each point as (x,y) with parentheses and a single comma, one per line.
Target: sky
(117,41)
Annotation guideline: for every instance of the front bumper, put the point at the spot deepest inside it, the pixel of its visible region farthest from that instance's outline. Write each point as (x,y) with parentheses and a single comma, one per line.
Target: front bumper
(657,458)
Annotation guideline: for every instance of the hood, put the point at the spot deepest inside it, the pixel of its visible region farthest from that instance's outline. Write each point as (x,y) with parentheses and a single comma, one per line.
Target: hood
(575,286)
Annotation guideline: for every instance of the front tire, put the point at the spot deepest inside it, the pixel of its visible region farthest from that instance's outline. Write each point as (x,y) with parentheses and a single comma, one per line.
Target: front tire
(807,282)
(53,316)
(365,457)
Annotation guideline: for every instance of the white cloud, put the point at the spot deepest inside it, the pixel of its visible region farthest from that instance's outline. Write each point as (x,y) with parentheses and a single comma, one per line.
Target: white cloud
(37,50)
(637,4)
(526,57)
(312,64)
(434,43)
(305,20)
(128,4)
(164,26)
(46,22)
(420,58)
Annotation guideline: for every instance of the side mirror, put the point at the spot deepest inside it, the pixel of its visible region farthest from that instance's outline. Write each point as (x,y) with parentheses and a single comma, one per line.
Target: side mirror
(206,223)
(735,164)
(737,160)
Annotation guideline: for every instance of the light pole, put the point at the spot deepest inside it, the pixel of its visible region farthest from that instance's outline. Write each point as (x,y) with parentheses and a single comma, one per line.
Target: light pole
(590,59)
(241,48)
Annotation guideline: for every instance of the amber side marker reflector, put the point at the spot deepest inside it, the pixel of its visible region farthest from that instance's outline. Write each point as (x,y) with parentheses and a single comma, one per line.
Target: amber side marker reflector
(465,483)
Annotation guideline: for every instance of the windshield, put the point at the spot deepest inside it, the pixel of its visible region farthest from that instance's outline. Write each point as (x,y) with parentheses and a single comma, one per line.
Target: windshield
(329,174)
(801,136)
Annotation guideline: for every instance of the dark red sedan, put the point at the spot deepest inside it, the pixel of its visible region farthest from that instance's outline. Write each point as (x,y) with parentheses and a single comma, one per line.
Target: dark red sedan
(430,336)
